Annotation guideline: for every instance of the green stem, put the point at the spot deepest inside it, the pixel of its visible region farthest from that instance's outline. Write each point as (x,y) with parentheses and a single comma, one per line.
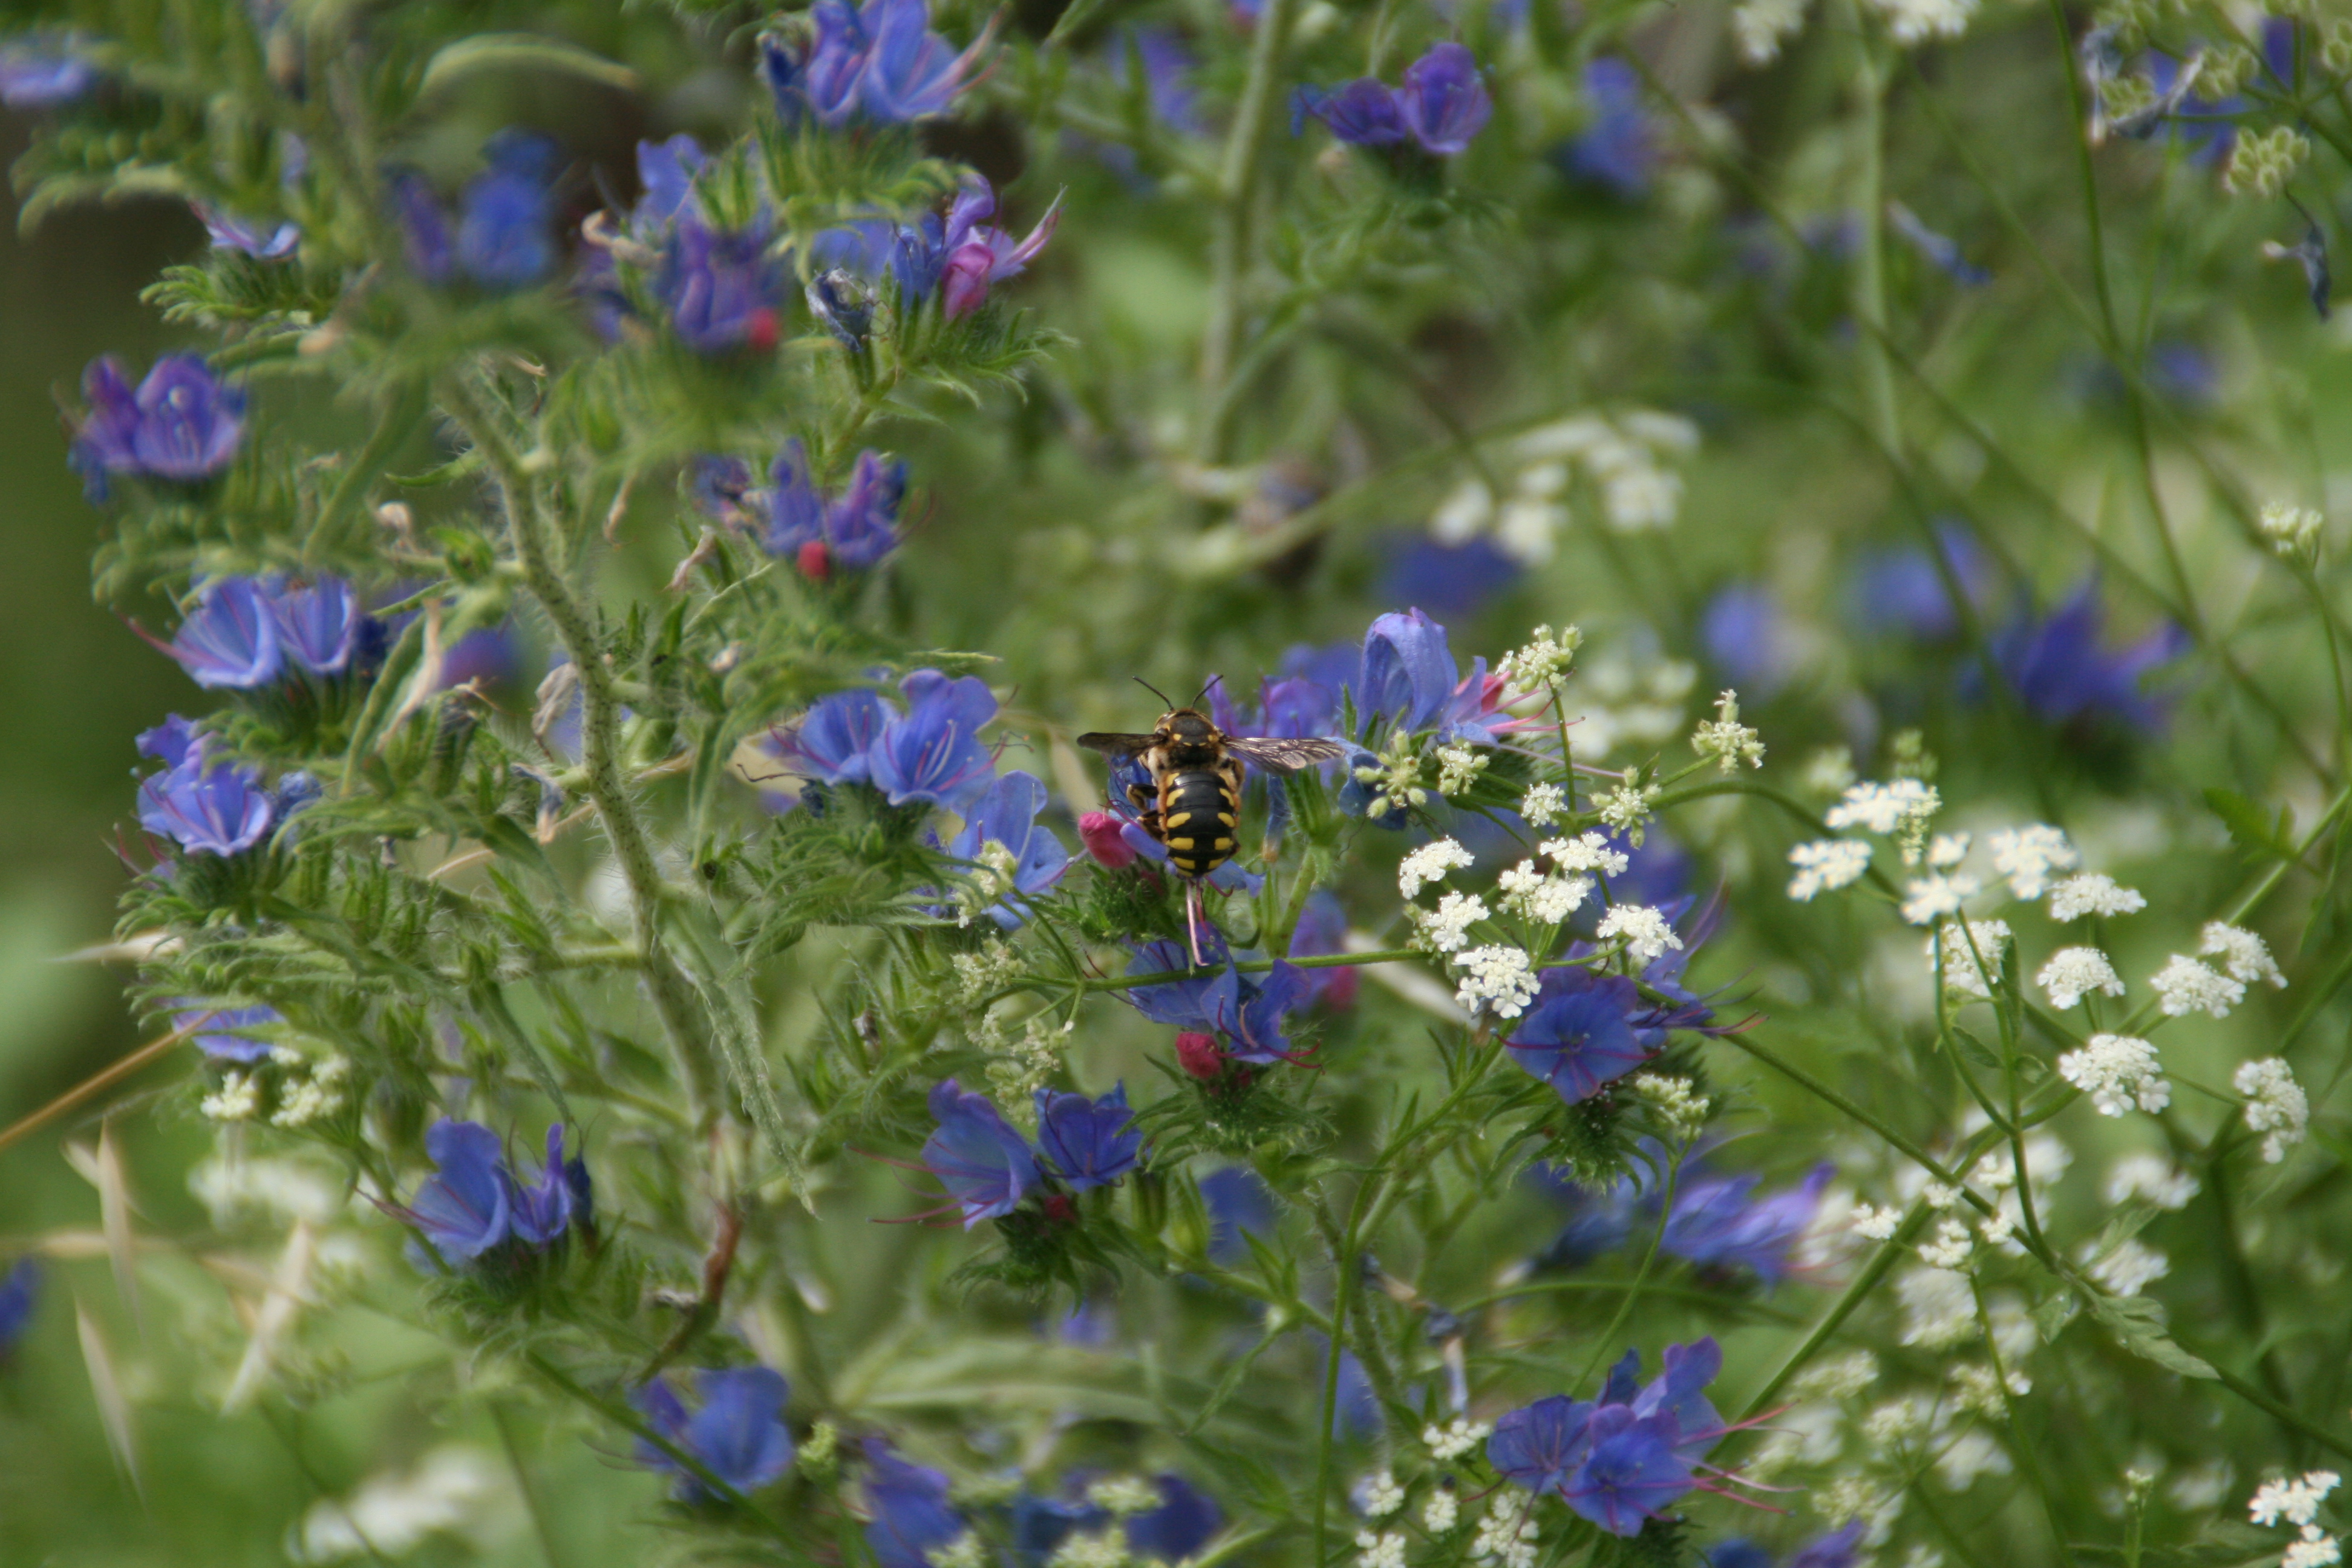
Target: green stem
(1237,183)
(1870,271)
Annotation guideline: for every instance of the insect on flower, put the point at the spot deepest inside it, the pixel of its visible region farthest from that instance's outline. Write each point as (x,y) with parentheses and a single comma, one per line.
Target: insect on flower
(1195,801)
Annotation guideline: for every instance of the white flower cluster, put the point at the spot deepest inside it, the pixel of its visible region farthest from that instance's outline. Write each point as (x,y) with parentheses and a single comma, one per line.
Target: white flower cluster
(1914,22)
(314,1096)
(1498,979)
(2151,1179)
(1103,1549)
(1507,1532)
(2296,1502)
(238,1098)
(1383,1548)
(1447,929)
(1826,865)
(1626,808)
(2027,856)
(1935,896)
(1872,1223)
(2125,1268)
(1442,1513)
(1544,662)
(1378,1494)
(2185,986)
(2074,972)
(1547,900)
(1886,809)
(1623,458)
(1683,1112)
(1948,1247)
(2246,956)
(1394,779)
(1587,852)
(1645,930)
(981,974)
(967,1551)
(1962,950)
(1428,863)
(1455,1439)
(2093,893)
(1458,768)
(2117,1071)
(1763,25)
(2275,1104)
(1123,1495)
(1725,739)
(1542,804)
(1947,850)
(2291,529)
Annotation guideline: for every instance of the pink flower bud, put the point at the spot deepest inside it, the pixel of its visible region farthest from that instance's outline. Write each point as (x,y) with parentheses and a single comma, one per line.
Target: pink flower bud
(1099,829)
(1198,1056)
(964,284)
(814,563)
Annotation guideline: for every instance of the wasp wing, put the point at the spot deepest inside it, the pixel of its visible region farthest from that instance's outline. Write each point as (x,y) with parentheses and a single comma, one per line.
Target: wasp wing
(1117,746)
(1282,756)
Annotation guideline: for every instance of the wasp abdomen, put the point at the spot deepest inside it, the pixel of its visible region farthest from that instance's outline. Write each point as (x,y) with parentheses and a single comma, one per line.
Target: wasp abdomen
(1198,809)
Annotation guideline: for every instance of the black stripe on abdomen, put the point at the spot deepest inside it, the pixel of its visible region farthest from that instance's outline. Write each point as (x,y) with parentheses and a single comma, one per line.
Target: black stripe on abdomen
(1197,820)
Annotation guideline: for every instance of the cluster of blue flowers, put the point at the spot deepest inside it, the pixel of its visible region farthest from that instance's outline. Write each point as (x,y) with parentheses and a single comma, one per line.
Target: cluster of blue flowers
(1623,1457)
(1440,107)
(1246,1011)
(956,258)
(988,1167)
(209,807)
(503,235)
(912,1516)
(475,1204)
(1716,1223)
(246,633)
(180,424)
(737,1433)
(878,64)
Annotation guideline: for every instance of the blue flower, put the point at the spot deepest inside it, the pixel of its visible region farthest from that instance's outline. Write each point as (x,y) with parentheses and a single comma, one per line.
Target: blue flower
(1748,640)
(181,423)
(230,640)
(426,240)
(1836,1549)
(1007,815)
(1714,1224)
(259,239)
(317,628)
(1902,590)
(505,216)
(1238,1204)
(222,809)
(1576,1034)
(2060,670)
(1618,1459)
(856,529)
(1618,148)
(1167,64)
(44,71)
(1442,105)
(958,257)
(545,1209)
(880,62)
(907,1507)
(1363,113)
(20,1292)
(1451,579)
(1443,101)
(834,740)
(1322,929)
(739,1434)
(1407,676)
(720,290)
(988,1167)
(666,171)
(466,1206)
(932,752)
(216,1030)
(843,306)
(1940,251)
(1250,1014)
(1090,1142)
(1190,1004)
(1184,1522)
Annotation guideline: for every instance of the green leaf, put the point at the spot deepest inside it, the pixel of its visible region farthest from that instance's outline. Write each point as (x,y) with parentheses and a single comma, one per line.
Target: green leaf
(2251,830)
(522,51)
(2138,1323)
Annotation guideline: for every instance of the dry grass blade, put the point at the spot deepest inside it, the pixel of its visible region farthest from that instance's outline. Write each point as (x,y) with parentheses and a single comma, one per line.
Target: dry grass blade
(114,1218)
(106,1389)
(98,1083)
(286,1289)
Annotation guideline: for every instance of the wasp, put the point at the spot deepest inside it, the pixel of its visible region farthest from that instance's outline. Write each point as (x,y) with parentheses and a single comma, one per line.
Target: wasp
(1194,803)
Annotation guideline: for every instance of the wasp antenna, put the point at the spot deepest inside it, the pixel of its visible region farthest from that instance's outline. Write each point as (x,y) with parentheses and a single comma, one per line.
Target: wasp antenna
(1154,690)
(1213,681)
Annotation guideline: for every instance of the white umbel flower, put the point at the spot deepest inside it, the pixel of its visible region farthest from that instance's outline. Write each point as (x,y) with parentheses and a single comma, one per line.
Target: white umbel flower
(1379,1495)
(1644,930)
(2073,972)
(2128,1268)
(1548,900)
(1498,979)
(1931,898)
(238,1098)
(1763,25)
(1456,1438)
(2027,856)
(1882,808)
(2149,1178)
(1446,928)
(1948,1247)
(2093,893)
(2246,956)
(1914,22)
(2275,1104)
(1962,973)
(1586,852)
(1458,768)
(1428,863)
(2317,1549)
(2291,529)
(1725,739)
(2185,986)
(1544,661)
(1947,850)
(1826,865)
(1876,1224)
(2295,1500)
(1442,1513)
(1542,804)
(2117,1071)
